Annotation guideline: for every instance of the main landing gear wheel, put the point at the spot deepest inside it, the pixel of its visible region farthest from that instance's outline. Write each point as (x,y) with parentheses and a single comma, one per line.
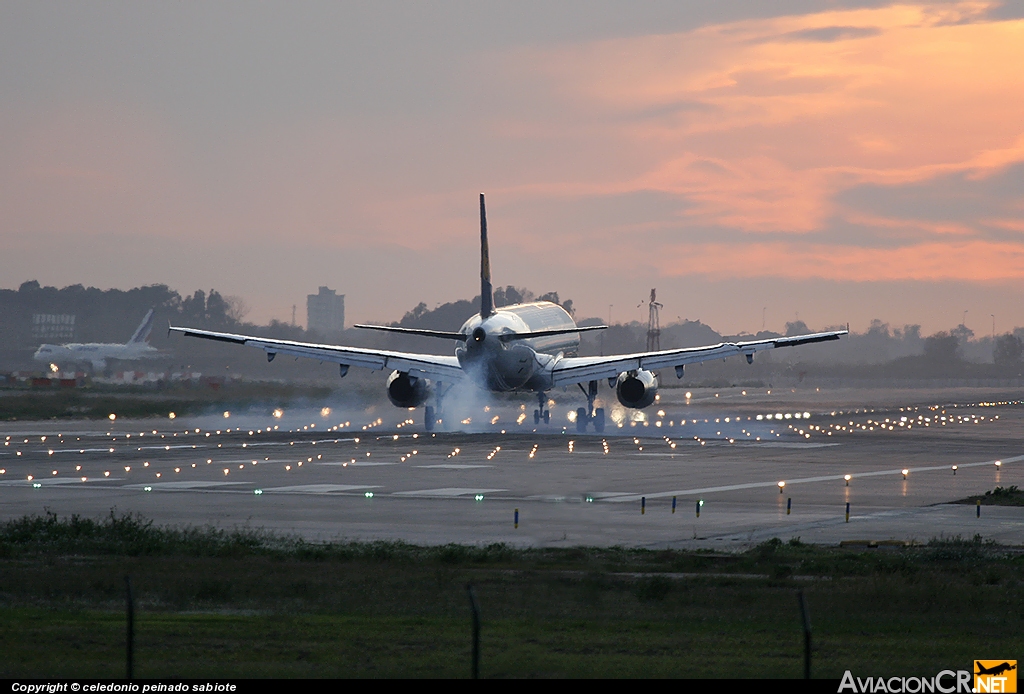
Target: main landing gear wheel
(540,413)
(586,415)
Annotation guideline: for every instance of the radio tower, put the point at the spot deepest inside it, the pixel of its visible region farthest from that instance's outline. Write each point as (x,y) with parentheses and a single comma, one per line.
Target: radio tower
(653,326)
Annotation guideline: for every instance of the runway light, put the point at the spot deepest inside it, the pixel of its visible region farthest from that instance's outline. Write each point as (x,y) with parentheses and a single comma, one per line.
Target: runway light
(999,463)
(905,472)
(847,478)
(147,489)
(368,495)
(955,469)
(111,416)
(171,416)
(782,485)
(479,497)
(257,492)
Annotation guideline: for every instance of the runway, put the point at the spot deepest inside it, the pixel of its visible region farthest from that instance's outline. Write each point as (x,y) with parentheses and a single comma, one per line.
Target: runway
(328,478)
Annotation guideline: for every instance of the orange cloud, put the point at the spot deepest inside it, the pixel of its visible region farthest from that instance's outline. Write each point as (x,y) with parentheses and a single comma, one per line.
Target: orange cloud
(970,261)
(759,126)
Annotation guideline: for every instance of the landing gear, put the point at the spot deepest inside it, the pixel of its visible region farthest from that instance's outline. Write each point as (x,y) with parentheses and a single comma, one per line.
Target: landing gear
(431,414)
(541,413)
(586,415)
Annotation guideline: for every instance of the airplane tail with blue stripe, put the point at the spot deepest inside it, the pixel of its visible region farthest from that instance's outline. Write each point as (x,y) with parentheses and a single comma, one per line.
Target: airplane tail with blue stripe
(142,332)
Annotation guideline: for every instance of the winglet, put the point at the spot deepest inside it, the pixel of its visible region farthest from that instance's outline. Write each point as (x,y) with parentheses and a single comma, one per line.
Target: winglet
(486,293)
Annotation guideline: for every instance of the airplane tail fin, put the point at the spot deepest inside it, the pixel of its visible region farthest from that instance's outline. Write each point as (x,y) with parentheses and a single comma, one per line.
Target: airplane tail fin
(142,332)
(486,293)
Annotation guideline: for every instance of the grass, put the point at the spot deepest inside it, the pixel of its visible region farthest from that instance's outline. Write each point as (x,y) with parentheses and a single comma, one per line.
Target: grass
(1000,496)
(214,603)
(96,402)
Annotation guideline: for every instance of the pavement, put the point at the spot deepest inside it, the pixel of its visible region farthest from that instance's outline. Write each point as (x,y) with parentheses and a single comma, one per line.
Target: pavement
(374,475)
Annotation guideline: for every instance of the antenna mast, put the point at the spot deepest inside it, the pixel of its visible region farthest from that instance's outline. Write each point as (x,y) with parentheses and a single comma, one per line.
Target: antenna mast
(653,326)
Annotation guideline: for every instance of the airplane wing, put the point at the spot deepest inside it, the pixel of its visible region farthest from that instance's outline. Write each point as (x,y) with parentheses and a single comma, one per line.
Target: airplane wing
(437,367)
(569,370)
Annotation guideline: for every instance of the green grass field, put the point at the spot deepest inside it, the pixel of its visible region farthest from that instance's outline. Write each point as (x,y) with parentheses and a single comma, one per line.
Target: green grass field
(220,604)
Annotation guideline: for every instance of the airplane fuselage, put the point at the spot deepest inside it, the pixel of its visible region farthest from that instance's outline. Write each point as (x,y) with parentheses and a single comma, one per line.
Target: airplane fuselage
(94,352)
(504,365)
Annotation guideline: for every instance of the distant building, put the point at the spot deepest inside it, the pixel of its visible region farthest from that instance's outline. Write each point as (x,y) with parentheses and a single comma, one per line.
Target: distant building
(51,326)
(325,313)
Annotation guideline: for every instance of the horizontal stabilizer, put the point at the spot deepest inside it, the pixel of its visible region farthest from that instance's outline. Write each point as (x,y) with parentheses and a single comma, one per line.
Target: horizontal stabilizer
(416,331)
(546,333)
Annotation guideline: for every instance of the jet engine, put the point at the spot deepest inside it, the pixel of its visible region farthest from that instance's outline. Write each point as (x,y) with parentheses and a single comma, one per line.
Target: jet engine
(636,389)
(407,391)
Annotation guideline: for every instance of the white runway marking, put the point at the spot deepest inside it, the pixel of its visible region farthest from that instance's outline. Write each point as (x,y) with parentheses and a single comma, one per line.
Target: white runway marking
(448,491)
(56,481)
(321,488)
(451,466)
(779,444)
(182,485)
(609,495)
(358,463)
(823,478)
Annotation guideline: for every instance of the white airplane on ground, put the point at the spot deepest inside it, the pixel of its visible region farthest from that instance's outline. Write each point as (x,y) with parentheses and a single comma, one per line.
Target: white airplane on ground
(97,353)
(520,347)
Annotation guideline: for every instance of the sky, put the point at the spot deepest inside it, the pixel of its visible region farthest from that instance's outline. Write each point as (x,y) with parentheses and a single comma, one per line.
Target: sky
(757,163)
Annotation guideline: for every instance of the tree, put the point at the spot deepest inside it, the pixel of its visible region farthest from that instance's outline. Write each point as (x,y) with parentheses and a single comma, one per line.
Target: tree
(942,349)
(797,327)
(1008,351)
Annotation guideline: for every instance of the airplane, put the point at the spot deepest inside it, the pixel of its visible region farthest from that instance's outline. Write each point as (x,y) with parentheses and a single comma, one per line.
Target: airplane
(523,347)
(995,669)
(97,353)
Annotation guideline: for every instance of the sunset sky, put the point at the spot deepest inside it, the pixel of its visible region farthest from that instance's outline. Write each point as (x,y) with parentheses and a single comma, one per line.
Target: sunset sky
(832,161)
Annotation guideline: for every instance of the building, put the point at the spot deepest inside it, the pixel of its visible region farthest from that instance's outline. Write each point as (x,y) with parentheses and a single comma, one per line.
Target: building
(325,313)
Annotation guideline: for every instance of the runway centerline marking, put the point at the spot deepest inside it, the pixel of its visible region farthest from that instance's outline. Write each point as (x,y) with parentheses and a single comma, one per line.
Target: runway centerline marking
(58,481)
(450,466)
(358,463)
(184,485)
(320,488)
(448,492)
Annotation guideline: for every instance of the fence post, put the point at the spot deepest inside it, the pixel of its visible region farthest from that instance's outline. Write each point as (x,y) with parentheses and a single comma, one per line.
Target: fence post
(476,630)
(130,635)
(806,616)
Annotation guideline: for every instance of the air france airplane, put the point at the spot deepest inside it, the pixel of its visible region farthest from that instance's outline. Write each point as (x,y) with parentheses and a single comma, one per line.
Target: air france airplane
(97,353)
(525,347)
